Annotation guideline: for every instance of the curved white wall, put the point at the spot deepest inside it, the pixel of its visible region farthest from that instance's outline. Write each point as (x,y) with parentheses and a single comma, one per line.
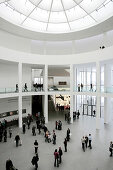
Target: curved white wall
(22,44)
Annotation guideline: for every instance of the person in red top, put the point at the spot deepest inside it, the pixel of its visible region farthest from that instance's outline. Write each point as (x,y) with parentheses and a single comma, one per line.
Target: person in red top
(56,155)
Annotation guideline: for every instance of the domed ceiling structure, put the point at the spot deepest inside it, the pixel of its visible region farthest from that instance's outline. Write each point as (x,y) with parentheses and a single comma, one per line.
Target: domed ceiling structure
(56,16)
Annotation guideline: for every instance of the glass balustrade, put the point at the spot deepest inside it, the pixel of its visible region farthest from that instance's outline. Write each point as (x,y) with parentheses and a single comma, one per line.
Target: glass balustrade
(86,88)
(61,88)
(8,90)
(32,89)
(107,89)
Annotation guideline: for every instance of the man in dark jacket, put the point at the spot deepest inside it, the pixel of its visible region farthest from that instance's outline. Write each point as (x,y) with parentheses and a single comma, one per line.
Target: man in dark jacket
(35,160)
(36,146)
(17,138)
(65,144)
(60,154)
(24,128)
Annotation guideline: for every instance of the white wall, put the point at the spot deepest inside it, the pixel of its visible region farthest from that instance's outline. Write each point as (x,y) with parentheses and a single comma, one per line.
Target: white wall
(11,104)
(26,76)
(8,75)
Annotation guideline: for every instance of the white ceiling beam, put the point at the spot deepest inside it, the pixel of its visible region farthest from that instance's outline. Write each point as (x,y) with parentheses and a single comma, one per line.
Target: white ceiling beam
(84,10)
(65,14)
(31,11)
(49,14)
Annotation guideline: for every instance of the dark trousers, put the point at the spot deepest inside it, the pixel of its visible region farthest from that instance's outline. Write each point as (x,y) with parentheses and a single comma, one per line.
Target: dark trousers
(36,148)
(17,143)
(36,166)
(83,146)
(65,148)
(56,162)
(60,158)
(86,144)
(90,144)
(54,141)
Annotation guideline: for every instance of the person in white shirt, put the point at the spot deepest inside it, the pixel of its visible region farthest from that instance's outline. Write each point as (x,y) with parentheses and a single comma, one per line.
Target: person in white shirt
(90,140)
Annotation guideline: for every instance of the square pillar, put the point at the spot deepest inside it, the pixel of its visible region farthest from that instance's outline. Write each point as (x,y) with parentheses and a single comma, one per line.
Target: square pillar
(46,108)
(71,92)
(98,113)
(107,109)
(20,94)
(46,78)
(98,77)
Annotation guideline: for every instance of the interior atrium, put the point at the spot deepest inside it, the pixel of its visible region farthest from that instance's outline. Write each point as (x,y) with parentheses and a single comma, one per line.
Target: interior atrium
(56,69)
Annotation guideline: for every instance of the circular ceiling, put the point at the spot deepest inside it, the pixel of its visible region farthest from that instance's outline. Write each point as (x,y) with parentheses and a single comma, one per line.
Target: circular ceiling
(56,16)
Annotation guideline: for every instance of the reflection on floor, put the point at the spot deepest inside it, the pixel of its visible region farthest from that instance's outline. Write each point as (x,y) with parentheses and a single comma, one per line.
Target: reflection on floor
(74,159)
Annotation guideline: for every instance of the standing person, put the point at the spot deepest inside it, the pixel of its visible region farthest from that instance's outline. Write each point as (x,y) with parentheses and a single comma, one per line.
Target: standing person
(39,128)
(54,138)
(91,87)
(28,123)
(35,160)
(81,87)
(24,128)
(86,141)
(36,146)
(78,114)
(68,134)
(83,143)
(60,154)
(17,139)
(78,87)
(111,148)
(56,155)
(16,88)
(33,130)
(65,144)
(5,135)
(56,125)
(90,140)
(9,165)
(10,132)
(94,113)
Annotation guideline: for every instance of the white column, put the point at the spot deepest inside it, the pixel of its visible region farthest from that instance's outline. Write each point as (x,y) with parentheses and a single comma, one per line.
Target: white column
(107,109)
(98,76)
(98,113)
(98,96)
(46,78)
(46,108)
(71,92)
(46,95)
(20,94)
(107,84)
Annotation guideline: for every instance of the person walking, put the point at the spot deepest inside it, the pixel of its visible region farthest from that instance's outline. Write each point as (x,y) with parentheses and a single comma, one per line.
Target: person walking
(111,148)
(35,160)
(86,141)
(68,134)
(56,156)
(17,139)
(36,146)
(33,130)
(60,154)
(24,128)
(10,132)
(90,140)
(56,125)
(54,138)
(65,144)
(5,135)
(83,143)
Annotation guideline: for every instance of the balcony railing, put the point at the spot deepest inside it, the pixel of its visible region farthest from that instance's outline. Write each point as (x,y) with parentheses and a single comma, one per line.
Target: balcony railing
(62,88)
(86,88)
(8,90)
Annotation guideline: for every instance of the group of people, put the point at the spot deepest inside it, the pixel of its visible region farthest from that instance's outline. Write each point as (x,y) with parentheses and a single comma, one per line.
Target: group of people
(80,87)
(85,141)
(58,125)
(68,117)
(3,131)
(76,114)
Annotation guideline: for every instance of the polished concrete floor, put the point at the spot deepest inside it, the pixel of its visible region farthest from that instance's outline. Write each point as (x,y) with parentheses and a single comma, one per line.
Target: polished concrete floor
(75,159)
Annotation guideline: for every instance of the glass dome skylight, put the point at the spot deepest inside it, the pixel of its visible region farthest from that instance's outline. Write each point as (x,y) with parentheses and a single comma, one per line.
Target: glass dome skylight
(56,16)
